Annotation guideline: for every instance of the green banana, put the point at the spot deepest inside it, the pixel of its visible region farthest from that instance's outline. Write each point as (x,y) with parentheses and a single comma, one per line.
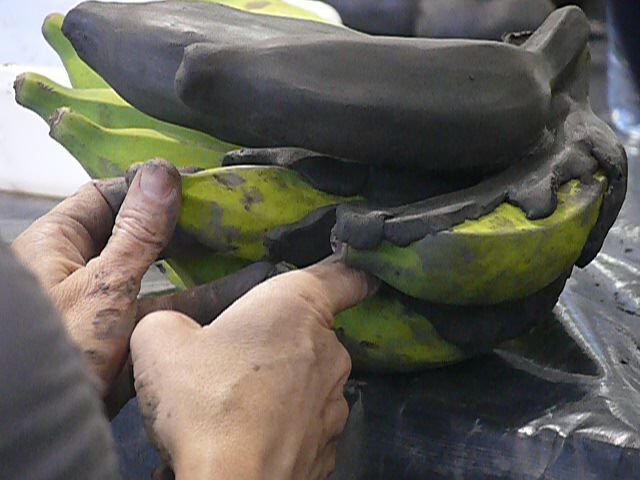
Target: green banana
(80,74)
(382,335)
(106,152)
(498,257)
(102,106)
(199,266)
(233,210)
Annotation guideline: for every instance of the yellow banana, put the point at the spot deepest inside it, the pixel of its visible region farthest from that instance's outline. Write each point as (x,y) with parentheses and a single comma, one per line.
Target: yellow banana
(382,335)
(233,209)
(499,257)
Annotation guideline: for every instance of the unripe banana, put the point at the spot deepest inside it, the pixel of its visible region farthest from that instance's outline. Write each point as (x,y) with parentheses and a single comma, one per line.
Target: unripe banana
(239,211)
(500,256)
(103,107)
(128,41)
(391,332)
(199,266)
(106,152)
(382,335)
(80,74)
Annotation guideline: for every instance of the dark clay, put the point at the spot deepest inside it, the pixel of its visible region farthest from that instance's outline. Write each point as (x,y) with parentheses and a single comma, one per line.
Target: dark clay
(380,186)
(435,105)
(478,329)
(137,48)
(576,144)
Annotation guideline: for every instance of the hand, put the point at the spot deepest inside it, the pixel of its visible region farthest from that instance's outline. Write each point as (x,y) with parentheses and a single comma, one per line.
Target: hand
(91,263)
(259,392)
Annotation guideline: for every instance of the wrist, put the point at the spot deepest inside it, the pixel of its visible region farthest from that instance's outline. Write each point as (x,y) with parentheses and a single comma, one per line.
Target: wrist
(229,462)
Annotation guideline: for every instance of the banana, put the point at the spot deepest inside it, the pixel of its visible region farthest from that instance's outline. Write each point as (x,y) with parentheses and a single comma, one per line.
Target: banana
(382,335)
(103,107)
(199,266)
(80,74)
(460,105)
(391,332)
(101,33)
(105,152)
(248,212)
(498,257)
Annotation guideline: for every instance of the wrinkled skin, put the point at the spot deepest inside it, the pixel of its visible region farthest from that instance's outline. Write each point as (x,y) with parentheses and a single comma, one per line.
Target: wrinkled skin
(90,253)
(259,392)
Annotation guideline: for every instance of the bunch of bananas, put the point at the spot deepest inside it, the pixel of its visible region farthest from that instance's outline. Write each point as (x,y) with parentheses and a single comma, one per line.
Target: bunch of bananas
(472,202)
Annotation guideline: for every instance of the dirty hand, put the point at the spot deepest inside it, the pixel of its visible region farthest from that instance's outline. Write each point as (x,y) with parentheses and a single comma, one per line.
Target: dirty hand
(91,262)
(259,392)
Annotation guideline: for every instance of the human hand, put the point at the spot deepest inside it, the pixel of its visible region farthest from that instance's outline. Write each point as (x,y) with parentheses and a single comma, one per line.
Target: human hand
(91,263)
(259,392)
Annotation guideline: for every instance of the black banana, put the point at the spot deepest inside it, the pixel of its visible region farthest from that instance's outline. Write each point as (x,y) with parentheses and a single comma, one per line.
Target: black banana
(440,105)
(137,48)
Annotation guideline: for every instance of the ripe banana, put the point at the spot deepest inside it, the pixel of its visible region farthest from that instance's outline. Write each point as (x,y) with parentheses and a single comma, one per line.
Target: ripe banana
(103,107)
(106,152)
(80,74)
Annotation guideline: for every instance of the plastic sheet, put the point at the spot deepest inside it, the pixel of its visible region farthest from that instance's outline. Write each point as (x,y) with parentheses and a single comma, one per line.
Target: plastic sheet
(563,403)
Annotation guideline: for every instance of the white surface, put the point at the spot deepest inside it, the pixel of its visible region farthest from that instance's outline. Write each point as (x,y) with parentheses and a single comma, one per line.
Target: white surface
(30,161)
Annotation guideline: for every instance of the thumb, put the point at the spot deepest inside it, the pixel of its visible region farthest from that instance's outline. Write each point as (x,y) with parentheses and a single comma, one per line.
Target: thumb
(145,222)
(158,334)
(155,343)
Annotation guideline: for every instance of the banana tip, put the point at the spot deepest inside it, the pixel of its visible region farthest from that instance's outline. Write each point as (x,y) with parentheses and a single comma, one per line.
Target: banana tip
(17,85)
(53,20)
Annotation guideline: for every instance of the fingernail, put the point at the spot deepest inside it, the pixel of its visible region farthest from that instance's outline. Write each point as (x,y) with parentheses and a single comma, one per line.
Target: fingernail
(156,181)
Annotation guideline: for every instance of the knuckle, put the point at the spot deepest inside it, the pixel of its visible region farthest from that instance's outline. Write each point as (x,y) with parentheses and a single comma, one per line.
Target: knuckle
(141,227)
(150,327)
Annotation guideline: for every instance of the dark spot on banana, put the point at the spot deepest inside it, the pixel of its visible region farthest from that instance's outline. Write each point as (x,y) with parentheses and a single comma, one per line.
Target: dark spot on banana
(366,344)
(250,197)
(229,180)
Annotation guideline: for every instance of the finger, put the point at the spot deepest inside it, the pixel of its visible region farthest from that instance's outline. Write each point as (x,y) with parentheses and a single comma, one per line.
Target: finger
(158,334)
(72,233)
(206,302)
(329,286)
(122,390)
(325,462)
(341,361)
(145,223)
(335,418)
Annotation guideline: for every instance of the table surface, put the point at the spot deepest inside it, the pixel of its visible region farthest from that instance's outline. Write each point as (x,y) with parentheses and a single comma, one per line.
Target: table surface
(568,406)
